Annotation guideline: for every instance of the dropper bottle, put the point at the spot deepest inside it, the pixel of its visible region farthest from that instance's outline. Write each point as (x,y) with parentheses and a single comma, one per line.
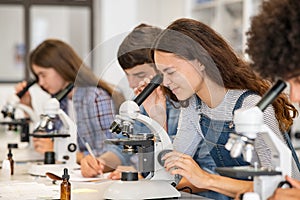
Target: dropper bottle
(65,186)
(11,161)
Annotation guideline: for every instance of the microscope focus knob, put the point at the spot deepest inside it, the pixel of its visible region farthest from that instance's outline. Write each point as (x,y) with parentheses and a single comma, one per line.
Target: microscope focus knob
(129,176)
(161,155)
(297,135)
(72,147)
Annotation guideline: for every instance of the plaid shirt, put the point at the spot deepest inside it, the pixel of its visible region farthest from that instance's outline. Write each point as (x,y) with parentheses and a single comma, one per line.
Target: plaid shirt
(94,111)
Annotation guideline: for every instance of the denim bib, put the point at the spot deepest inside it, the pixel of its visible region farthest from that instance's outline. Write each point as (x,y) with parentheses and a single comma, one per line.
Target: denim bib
(216,134)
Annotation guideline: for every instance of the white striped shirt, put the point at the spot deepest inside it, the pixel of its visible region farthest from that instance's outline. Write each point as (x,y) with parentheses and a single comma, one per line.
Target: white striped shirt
(189,133)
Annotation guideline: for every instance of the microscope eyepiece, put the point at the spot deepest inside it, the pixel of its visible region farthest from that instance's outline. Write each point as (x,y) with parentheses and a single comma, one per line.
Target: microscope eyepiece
(154,83)
(25,89)
(62,94)
(269,97)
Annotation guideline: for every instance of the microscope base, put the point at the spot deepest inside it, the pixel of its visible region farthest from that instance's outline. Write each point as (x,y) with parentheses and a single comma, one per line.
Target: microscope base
(142,189)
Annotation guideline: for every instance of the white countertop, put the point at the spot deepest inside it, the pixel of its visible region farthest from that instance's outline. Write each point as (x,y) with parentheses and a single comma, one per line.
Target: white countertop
(24,186)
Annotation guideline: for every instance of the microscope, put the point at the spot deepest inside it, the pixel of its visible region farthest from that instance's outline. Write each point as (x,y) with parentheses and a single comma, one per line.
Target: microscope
(9,117)
(248,123)
(65,137)
(150,149)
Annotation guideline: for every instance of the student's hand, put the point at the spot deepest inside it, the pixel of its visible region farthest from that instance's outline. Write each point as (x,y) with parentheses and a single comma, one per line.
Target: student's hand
(287,193)
(26,98)
(184,165)
(91,167)
(293,182)
(155,104)
(42,145)
(117,173)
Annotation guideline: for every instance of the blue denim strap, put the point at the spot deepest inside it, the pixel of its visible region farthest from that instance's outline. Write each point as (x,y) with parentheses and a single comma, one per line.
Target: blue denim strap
(290,145)
(240,100)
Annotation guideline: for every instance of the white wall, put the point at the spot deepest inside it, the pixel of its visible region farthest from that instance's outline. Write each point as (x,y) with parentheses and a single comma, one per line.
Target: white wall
(11,68)
(116,18)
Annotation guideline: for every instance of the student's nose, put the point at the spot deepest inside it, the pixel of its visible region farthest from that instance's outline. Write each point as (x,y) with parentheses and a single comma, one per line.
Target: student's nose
(133,82)
(41,82)
(166,81)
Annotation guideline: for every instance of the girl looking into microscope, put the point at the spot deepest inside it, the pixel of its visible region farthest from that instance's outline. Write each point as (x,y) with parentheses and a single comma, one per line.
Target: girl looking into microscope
(211,82)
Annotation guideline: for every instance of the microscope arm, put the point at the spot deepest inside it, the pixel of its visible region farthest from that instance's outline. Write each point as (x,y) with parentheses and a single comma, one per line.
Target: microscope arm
(248,123)
(28,111)
(162,143)
(67,122)
(65,147)
(281,155)
(65,143)
(129,112)
(157,129)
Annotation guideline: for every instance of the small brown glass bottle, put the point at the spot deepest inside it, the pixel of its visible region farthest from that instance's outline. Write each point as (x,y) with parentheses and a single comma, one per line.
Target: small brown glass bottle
(65,186)
(11,161)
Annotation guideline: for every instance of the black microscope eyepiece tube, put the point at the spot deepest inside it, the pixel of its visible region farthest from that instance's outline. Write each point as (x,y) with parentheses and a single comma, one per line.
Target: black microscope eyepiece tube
(154,83)
(271,95)
(24,90)
(62,94)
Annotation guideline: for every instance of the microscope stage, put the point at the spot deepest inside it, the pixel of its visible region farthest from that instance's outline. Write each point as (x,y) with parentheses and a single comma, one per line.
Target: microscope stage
(245,172)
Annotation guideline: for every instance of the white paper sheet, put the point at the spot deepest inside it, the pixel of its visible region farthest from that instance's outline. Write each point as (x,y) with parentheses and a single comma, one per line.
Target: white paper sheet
(74,171)
(28,191)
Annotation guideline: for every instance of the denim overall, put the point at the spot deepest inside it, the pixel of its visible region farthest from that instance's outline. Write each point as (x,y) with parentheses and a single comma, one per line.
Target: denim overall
(216,134)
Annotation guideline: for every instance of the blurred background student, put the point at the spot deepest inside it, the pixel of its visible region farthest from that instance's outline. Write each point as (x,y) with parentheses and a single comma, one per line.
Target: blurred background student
(92,103)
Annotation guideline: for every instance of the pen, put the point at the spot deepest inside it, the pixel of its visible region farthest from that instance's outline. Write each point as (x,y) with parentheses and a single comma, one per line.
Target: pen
(88,147)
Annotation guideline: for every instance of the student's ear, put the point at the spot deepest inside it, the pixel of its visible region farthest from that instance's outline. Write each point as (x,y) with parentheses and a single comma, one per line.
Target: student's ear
(200,66)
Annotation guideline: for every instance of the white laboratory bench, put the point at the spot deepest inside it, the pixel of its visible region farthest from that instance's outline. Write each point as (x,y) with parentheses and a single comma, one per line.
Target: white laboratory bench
(24,186)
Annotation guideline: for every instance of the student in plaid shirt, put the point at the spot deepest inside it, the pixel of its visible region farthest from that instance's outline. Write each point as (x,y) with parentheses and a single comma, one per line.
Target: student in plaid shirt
(55,64)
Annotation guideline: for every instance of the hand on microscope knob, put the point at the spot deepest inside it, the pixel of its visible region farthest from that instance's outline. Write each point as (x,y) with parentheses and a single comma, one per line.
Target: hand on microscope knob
(91,166)
(155,104)
(287,193)
(42,145)
(289,183)
(293,182)
(184,165)
(26,98)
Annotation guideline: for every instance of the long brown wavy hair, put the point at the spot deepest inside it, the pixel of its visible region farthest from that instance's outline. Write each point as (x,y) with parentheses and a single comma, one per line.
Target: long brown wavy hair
(191,39)
(56,54)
